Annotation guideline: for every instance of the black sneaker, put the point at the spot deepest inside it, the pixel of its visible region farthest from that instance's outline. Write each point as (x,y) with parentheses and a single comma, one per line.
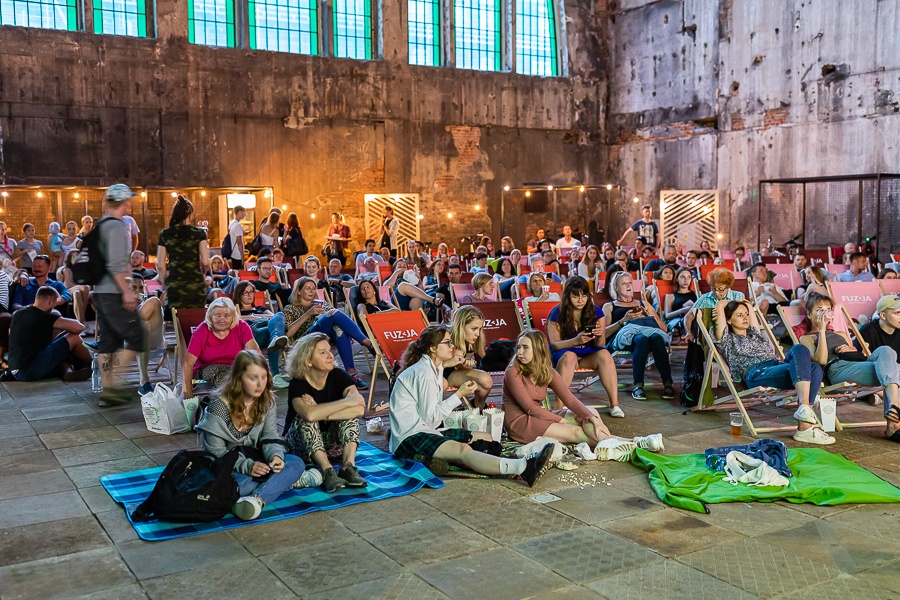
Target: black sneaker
(332,483)
(668,392)
(350,474)
(638,393)
(537,466)
(438,466)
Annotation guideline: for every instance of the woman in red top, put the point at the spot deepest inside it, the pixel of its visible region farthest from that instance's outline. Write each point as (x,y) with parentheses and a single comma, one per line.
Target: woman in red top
(214,345)
(337,238)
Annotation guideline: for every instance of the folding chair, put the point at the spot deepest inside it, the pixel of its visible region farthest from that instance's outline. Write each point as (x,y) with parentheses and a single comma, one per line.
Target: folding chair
(293,275)
(244,275)
(554,286)
(836,269)
(536,314)
(390,333)
(384,272)
(186,321)
(889,287)
(501,320)
(786,277)
(153,286)
(857,298)
(817,257)
(736,399)
(459,290)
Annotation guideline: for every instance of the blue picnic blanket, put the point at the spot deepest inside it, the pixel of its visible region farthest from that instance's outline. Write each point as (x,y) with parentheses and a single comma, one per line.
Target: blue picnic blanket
(386,476)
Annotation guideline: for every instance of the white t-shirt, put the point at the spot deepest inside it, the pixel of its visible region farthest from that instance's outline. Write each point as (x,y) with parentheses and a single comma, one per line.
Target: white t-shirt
(133,228)
(361,260)
(561,244)
(237,233)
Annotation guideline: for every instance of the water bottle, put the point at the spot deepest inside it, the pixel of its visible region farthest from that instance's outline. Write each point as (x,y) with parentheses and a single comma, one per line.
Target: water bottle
(96,382)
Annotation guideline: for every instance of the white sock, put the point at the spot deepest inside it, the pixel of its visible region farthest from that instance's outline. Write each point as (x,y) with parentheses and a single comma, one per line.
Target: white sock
(512,466)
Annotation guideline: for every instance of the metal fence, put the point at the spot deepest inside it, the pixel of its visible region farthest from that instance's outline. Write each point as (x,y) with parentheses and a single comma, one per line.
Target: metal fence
(819,212)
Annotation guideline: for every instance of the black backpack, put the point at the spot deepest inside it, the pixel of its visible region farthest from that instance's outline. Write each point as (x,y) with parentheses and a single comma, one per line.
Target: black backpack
(296,244)
(194,487)
(226,247)
(90,264)
(498,355)
(692,383)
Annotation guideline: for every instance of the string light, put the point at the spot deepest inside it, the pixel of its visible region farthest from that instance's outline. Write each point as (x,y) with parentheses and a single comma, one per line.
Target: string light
(505,188)
(608,186)
(528,193)
(581,189)
(549,188)
(450,215)
(635,199)
(420,217)
(312,216)
(5,194)
(267,193)
(40,194)
(174,194)
(719,236)
(203,193)
(143,194)
(284,207)
(477,207)
(77,195)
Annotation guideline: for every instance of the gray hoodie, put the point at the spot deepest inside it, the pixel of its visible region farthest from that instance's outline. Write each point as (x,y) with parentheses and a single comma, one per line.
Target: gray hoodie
(219,435)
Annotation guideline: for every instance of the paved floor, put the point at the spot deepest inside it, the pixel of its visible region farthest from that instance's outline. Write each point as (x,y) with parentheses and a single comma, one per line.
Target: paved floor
(607,536)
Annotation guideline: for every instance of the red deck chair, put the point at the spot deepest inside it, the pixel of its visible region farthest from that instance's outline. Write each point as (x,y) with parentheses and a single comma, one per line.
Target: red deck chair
(836,269)
(293,275)
(786,277)
(555,286)
(244,275)
(889,287)
(153,286)
(466,277)
(536,314)
(857,298)
(390,333)
(384,272)
(817,257)
(186,321)
(501,320)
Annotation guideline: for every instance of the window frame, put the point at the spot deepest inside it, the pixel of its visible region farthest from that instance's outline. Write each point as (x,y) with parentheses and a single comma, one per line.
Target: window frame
(555,12)
(149,8)
(502,31)
(74,20)
(316,34)
(437,48)
(373,50)
(231,32)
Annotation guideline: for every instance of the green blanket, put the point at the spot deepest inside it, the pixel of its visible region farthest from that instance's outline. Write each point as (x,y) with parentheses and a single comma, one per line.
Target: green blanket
(820,477)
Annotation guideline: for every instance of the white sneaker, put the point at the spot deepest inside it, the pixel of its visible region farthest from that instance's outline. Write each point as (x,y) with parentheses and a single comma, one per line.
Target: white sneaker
(814,435)
(583,451)
(653,442)
(247,508)
(532,449)
(616,411)
(310,478)
(279,382)
(613,449)
(805,414)
(279,343)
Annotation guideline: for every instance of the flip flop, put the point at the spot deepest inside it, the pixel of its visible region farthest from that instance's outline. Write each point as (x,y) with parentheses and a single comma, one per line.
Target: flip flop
(892,414)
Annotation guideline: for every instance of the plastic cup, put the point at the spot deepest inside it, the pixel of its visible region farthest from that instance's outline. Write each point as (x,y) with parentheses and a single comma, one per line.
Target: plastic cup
(737,423)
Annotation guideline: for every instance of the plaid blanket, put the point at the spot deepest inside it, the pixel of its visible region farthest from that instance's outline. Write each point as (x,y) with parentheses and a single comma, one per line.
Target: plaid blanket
(386,476)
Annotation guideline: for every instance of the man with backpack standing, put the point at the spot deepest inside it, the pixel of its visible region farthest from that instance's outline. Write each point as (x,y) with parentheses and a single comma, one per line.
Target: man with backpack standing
(121,332)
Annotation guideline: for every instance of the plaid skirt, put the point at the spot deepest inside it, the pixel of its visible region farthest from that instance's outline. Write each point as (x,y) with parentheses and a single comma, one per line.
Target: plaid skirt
(427,444)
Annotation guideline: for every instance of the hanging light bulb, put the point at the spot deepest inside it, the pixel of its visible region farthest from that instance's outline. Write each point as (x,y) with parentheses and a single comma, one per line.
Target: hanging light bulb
(581,189)
(549,188)
(420,217)
(528,193)
(608,186)
(284,207)
(505,188)
(635,199)
(40,194)
(77,195)
(477,207)
(312,216)
(719,236)
(203,193)
(174,194)
(5,194)
(143,194)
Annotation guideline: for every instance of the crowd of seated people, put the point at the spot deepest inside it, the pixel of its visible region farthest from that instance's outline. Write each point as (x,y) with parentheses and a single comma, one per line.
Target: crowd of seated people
(608,299)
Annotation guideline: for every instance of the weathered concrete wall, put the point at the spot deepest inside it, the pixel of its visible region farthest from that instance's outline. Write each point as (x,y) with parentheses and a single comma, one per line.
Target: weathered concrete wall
(720,94)
(83,109)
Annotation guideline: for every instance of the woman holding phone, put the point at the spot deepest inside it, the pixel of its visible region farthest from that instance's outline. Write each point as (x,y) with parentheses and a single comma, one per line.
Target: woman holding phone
(577,340)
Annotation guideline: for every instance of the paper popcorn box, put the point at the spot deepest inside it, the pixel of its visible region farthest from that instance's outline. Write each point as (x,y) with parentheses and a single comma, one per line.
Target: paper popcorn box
(495,422)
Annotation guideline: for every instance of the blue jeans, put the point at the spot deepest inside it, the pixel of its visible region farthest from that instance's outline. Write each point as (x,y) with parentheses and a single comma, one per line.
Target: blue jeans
(325,324)
(506,289)
(880,369)
(276,484)
(641,347)
(264,331)
(797,366)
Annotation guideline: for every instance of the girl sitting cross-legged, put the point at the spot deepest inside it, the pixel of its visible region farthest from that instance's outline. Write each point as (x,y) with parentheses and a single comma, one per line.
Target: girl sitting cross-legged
(417,409)
(525,385)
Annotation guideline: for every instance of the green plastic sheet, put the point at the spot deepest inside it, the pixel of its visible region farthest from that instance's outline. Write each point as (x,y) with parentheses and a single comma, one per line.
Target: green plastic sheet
(820,477)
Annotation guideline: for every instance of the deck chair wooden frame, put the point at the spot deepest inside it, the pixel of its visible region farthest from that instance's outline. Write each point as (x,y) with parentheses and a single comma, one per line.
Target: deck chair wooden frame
(889,287)
(539,322)
(186,320)
(390,334)
(844,390)
(856,298)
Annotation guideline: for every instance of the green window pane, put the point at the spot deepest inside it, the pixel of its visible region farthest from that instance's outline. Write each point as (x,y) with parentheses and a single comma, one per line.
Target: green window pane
(45,14)
(478,34)
(536,50)
(424,24)
(120,17)
(211,22)
(284,26)
(353,29)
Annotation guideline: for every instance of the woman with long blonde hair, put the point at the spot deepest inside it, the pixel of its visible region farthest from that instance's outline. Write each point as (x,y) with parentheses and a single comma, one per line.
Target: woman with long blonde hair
(243,414)
(467,334)
(525,386)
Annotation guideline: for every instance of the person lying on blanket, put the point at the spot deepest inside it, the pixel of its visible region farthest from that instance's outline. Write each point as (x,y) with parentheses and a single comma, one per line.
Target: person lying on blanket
(752,359)
(525,385)
(417,410)
(243,414)
(322,421)
(841,362)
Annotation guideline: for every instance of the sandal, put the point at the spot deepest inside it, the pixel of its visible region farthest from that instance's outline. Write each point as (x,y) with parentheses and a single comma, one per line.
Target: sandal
(892,414)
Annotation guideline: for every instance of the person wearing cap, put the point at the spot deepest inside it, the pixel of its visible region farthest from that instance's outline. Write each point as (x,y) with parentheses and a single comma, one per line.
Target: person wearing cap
(121,331)
(885,331)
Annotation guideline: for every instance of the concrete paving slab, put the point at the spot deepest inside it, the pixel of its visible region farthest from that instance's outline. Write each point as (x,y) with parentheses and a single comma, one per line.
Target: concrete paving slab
(157,444)
(460,495)
(57,412)
(151,559)
(857,587)
(370,516)
(32,462)
(753,519)
(403,586)
(517,521)
(601,503)
(666,579)
(235,580)
(21,485)
(16,429)
(884,576)
(21,445)
(94,453)
(331,565)
(86,422)
(89,475)
(65,576)
(312,528)
(415,543)
(116,525)
(759,568)
(501,574)
(670,532)
(135,430)
(569,593)
(586,553)
(125,592)
(67,439)
(41,509)
(46,540)
(117,415)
